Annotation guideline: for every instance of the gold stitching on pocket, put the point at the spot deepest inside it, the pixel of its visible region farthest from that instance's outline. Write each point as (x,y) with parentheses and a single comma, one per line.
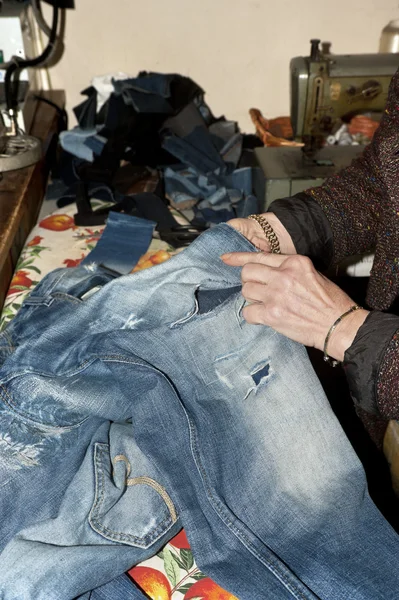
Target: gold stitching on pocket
(158,488)
(122,458)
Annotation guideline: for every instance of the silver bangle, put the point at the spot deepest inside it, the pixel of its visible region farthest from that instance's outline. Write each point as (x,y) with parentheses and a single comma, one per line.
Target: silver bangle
(269,233)
(332,361)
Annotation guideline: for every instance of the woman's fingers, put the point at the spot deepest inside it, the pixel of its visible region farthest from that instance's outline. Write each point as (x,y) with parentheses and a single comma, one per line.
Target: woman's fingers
(254,314)
(239,259)
(288,294)
(253,292)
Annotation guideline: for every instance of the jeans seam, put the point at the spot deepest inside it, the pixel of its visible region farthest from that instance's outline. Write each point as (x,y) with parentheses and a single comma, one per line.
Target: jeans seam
(53,283)
(271,565)
(219,509)
(66,296)
(38,302)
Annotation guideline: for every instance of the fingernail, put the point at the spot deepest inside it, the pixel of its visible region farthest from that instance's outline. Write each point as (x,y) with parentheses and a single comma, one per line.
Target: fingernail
(226,256)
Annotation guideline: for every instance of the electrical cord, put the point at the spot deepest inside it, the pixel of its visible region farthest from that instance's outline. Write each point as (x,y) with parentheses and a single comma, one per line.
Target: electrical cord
(61,111)
(17,64)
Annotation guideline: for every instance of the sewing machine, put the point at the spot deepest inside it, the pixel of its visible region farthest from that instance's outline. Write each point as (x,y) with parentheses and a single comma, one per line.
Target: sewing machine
(17,149)
(328,89)
(12,43)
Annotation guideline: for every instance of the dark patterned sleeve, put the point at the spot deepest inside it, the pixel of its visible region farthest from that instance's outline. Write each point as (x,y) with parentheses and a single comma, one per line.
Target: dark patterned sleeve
(388,380)
(308,227)
(371,365)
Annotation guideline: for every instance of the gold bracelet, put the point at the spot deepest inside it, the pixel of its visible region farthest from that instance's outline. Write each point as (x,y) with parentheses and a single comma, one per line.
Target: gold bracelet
(328,359)
(269,233)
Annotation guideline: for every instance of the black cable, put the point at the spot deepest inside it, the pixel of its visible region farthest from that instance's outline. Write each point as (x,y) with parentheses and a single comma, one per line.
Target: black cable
(61,111)
(10,82)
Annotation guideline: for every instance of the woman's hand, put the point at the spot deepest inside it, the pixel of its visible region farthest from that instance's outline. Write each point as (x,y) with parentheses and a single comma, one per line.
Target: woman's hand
(289,295)
(254,233)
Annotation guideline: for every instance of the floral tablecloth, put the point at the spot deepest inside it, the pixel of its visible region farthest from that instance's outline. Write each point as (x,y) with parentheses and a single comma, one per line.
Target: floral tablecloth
(56,242)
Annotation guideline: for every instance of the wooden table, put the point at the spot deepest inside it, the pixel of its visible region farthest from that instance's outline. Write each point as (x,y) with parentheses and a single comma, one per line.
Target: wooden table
(22,191)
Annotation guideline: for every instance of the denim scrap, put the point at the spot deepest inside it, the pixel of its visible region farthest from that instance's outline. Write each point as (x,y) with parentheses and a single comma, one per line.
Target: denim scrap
(83,143)
(160,119)
(96,143)
(187,119)
(146,94)
(208,173)
(154,83)
(215,203)
(123,241)
(197,151)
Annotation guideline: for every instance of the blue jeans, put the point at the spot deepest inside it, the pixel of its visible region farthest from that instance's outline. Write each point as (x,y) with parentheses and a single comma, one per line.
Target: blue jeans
(120,588)
(136,405)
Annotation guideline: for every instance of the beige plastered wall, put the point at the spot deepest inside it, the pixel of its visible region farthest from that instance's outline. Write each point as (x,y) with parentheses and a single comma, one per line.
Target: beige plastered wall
(237,50)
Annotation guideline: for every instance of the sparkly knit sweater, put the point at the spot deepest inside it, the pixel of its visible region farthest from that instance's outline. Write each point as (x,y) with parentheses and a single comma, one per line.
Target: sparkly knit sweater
(354,212)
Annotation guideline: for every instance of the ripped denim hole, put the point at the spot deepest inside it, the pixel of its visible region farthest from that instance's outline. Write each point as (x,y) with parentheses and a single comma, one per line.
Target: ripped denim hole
(260,375)
(208,300)
(190,314)
(90,285)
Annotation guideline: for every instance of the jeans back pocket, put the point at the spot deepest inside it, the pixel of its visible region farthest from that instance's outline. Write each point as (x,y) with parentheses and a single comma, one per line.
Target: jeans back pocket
(131,504)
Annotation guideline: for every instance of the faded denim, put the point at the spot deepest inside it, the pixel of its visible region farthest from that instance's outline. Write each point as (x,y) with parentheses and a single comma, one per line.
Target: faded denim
(124,240)
(83,143)
(135,405)
(121,588)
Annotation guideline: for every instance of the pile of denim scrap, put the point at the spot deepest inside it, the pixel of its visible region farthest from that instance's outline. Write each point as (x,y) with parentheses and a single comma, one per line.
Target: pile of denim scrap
(161,122)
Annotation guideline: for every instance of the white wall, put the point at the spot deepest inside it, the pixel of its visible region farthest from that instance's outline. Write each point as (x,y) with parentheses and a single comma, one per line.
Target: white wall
(237,50)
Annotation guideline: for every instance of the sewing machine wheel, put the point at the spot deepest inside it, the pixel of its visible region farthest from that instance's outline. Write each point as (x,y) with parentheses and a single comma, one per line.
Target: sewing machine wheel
(18,151)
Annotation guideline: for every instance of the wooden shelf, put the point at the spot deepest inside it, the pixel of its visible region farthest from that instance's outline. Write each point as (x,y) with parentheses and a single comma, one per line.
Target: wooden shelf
(22,191)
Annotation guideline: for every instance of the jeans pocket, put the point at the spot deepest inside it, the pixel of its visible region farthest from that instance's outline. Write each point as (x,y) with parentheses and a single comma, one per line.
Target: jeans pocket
(75,285)
(89,284)
(134,510)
